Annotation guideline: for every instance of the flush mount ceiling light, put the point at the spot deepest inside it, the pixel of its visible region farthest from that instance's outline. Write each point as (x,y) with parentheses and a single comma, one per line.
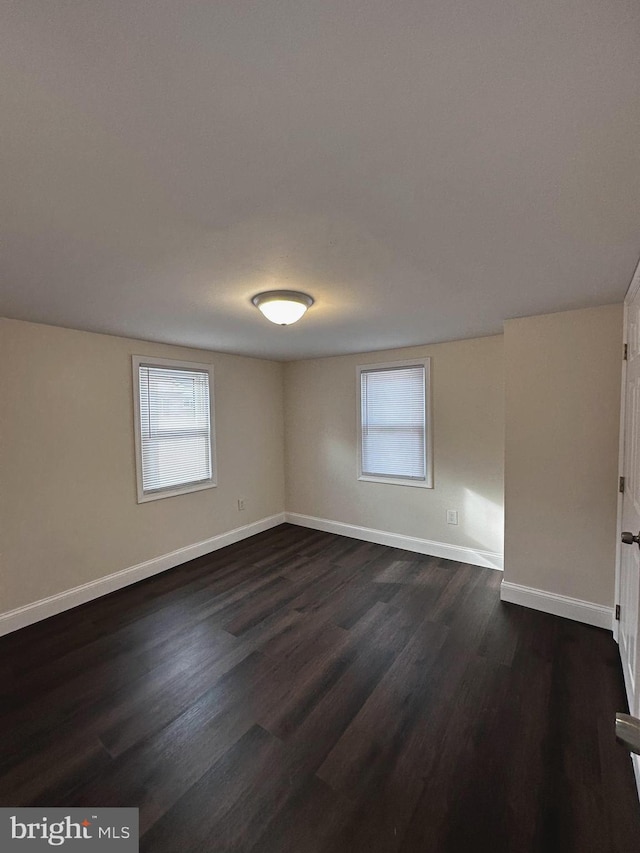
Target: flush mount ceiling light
(282,306)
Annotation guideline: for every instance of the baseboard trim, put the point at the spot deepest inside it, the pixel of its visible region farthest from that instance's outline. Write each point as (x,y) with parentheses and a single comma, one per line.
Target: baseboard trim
(30,613)
(485,559)
(558,605)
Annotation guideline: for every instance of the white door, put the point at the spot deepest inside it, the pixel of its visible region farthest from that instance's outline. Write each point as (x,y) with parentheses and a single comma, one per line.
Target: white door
(629,562)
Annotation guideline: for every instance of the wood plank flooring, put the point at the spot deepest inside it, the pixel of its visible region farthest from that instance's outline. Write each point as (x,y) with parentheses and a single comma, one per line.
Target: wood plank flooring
(301,691)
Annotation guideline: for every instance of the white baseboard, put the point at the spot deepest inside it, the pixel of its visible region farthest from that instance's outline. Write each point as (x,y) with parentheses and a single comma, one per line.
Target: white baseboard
(486,559)
(558,605)
(23,616)
(614,627)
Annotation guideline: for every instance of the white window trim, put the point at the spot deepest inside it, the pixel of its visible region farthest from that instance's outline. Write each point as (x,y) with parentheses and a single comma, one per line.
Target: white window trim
(427,483)
(138,361)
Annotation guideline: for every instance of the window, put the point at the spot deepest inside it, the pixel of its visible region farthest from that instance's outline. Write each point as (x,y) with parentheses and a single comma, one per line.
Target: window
(173,405)
(394,430)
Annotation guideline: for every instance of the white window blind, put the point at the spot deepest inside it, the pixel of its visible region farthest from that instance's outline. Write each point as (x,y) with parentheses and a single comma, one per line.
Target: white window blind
(175,427)
(394,423)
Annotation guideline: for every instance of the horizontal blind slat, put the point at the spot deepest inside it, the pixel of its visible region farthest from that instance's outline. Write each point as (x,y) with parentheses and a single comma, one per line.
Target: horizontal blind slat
(393,422)
(175,428)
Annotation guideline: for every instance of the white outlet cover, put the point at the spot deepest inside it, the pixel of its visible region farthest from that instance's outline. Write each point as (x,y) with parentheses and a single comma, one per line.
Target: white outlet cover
(452,516)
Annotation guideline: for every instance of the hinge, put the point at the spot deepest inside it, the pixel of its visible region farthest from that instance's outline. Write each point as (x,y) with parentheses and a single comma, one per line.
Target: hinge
(625,352)
(621,485)
(617,612)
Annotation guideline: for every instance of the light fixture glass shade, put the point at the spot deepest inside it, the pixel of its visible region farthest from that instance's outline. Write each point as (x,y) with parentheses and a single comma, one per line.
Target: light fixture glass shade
(282,307)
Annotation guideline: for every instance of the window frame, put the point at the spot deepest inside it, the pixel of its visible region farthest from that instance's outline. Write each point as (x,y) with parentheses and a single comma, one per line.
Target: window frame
(138,361)
(427,483)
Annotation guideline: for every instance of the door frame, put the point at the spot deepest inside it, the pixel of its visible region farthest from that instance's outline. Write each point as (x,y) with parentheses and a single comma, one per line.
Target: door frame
(630,294)
(623,401)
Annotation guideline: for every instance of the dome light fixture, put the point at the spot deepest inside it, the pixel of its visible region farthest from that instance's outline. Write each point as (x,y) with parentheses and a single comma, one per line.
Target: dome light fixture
(283,307)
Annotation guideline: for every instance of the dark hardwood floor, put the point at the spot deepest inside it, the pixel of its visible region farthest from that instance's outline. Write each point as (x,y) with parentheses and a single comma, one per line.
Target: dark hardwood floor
(301,691)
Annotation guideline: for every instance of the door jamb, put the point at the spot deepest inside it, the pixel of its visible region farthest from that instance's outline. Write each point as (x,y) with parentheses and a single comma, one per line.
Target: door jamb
(634,285)
(630,294)
(623,400)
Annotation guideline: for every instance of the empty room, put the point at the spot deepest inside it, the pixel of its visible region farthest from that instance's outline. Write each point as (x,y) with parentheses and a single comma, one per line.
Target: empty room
(320,426)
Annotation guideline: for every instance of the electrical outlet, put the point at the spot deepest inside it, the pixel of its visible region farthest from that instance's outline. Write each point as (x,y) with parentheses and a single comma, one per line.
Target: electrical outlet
(452,516)
(240,504)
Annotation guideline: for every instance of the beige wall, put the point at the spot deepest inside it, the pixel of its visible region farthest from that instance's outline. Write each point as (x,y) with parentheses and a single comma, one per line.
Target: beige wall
(562,382)
(321,446)
(68,510)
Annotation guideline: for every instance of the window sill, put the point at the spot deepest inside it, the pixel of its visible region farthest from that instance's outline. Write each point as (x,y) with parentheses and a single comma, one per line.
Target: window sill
(396,481)
(172,493)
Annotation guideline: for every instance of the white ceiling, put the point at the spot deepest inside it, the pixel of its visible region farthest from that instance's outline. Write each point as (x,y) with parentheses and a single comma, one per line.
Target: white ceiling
(423,168)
